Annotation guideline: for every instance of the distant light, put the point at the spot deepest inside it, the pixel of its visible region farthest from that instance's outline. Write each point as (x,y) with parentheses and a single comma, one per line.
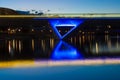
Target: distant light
(83,32)
(13,30)
(8,29)
(80,31)
(108,26)
(59,30)
(32,30)
(50,30)
(19,30)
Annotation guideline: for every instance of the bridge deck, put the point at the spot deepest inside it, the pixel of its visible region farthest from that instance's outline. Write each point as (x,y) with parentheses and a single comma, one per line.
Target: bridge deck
(103,15)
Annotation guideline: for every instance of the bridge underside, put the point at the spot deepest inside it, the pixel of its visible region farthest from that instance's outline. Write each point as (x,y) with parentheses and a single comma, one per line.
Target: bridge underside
(62,27)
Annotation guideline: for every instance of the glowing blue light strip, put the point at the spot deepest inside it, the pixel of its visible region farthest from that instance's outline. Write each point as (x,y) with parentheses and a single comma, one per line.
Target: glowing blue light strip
(70,53)
(65,23)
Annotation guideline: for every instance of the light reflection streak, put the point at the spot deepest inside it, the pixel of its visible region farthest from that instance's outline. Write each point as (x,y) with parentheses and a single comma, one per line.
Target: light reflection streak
(80,40)
(109,44)
(13,44)
(20,46)
(10,48)
(51,42)
(117,43)
(106,38)
(33,44)
(43,45)
(83,39)
(97,48)
(71,40)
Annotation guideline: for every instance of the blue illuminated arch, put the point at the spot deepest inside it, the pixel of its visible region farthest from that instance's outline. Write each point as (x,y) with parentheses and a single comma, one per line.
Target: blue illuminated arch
(68,53)
(73,23)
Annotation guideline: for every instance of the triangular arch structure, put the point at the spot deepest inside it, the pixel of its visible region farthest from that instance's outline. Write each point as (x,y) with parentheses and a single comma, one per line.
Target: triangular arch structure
(70,24)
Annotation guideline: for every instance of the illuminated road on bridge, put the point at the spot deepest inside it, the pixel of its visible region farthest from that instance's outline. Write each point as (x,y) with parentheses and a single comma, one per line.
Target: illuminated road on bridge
(86,15)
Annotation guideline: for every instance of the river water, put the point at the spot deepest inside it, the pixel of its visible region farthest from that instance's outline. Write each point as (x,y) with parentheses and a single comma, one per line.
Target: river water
(80,47)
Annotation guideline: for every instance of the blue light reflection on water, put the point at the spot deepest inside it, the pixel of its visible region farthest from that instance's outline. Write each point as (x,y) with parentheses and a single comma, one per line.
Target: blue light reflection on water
(65,51)
(64,23)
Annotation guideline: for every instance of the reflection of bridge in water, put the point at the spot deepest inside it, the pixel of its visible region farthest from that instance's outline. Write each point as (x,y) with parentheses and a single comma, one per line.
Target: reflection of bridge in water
(62,24)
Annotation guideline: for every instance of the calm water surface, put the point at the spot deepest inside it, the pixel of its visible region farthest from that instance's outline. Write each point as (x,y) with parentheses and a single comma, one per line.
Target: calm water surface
(80,47)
